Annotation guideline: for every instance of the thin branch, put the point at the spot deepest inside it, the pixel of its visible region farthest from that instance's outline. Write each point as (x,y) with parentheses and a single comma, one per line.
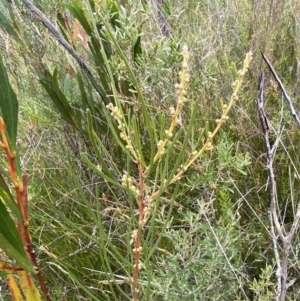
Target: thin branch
(276,252)
(286,237)
(47,23)
(295,225)
(270,153)
(286,96)
(274,220)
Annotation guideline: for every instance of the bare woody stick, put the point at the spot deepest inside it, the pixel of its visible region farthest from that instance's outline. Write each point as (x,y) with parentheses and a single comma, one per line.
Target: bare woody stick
(284,236)
(286,96)
(47,23)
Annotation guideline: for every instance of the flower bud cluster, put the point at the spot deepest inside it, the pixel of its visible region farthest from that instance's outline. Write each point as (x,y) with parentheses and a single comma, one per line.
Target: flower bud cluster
(140,266)
(133,236)
(237,83)
(209,146)
(181,88)
(223,119)
(160,148)
(169,134)
(182,168)
(139,249)
(147,211)
(181,93)
(224,108)
(116,114)
(247,61)
(128,182)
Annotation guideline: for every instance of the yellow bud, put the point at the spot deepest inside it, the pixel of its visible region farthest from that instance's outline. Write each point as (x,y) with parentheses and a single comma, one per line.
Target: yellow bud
(185,48)
(241,73)
(184,65)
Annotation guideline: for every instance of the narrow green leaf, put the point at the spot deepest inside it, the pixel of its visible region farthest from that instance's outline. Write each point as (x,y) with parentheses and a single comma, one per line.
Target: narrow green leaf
(50,83)
(241,171)
(103,85)
(84,98)
(63,26)
(8,106)
(76,10)
(137,49)
(115,14)
(62,97)
(10,240)
(93,137)
(6,15)
(87,161)
(8,198)
(67,84)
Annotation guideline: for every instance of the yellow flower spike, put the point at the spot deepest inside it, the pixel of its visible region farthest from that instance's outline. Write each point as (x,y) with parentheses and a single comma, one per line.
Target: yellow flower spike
(109,106)
(241,73)
(184,66)
(180,102)
(172,111)
(116,113)
(181,92)
(219,122)
(159,143)
(185,49)
(178,121)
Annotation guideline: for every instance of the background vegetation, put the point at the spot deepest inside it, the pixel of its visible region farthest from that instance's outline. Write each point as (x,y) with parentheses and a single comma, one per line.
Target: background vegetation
(208,236)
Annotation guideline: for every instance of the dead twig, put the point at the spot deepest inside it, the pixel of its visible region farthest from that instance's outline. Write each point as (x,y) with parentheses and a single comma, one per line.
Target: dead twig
(47,23)
(285,237)
(286,96)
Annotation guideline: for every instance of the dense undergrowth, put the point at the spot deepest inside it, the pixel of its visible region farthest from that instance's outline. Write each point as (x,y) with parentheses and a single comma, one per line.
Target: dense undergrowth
(207,235)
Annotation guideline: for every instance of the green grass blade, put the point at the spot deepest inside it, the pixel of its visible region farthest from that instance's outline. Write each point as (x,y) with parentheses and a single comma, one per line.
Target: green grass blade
(8,198)
(10,240)
(9,107)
